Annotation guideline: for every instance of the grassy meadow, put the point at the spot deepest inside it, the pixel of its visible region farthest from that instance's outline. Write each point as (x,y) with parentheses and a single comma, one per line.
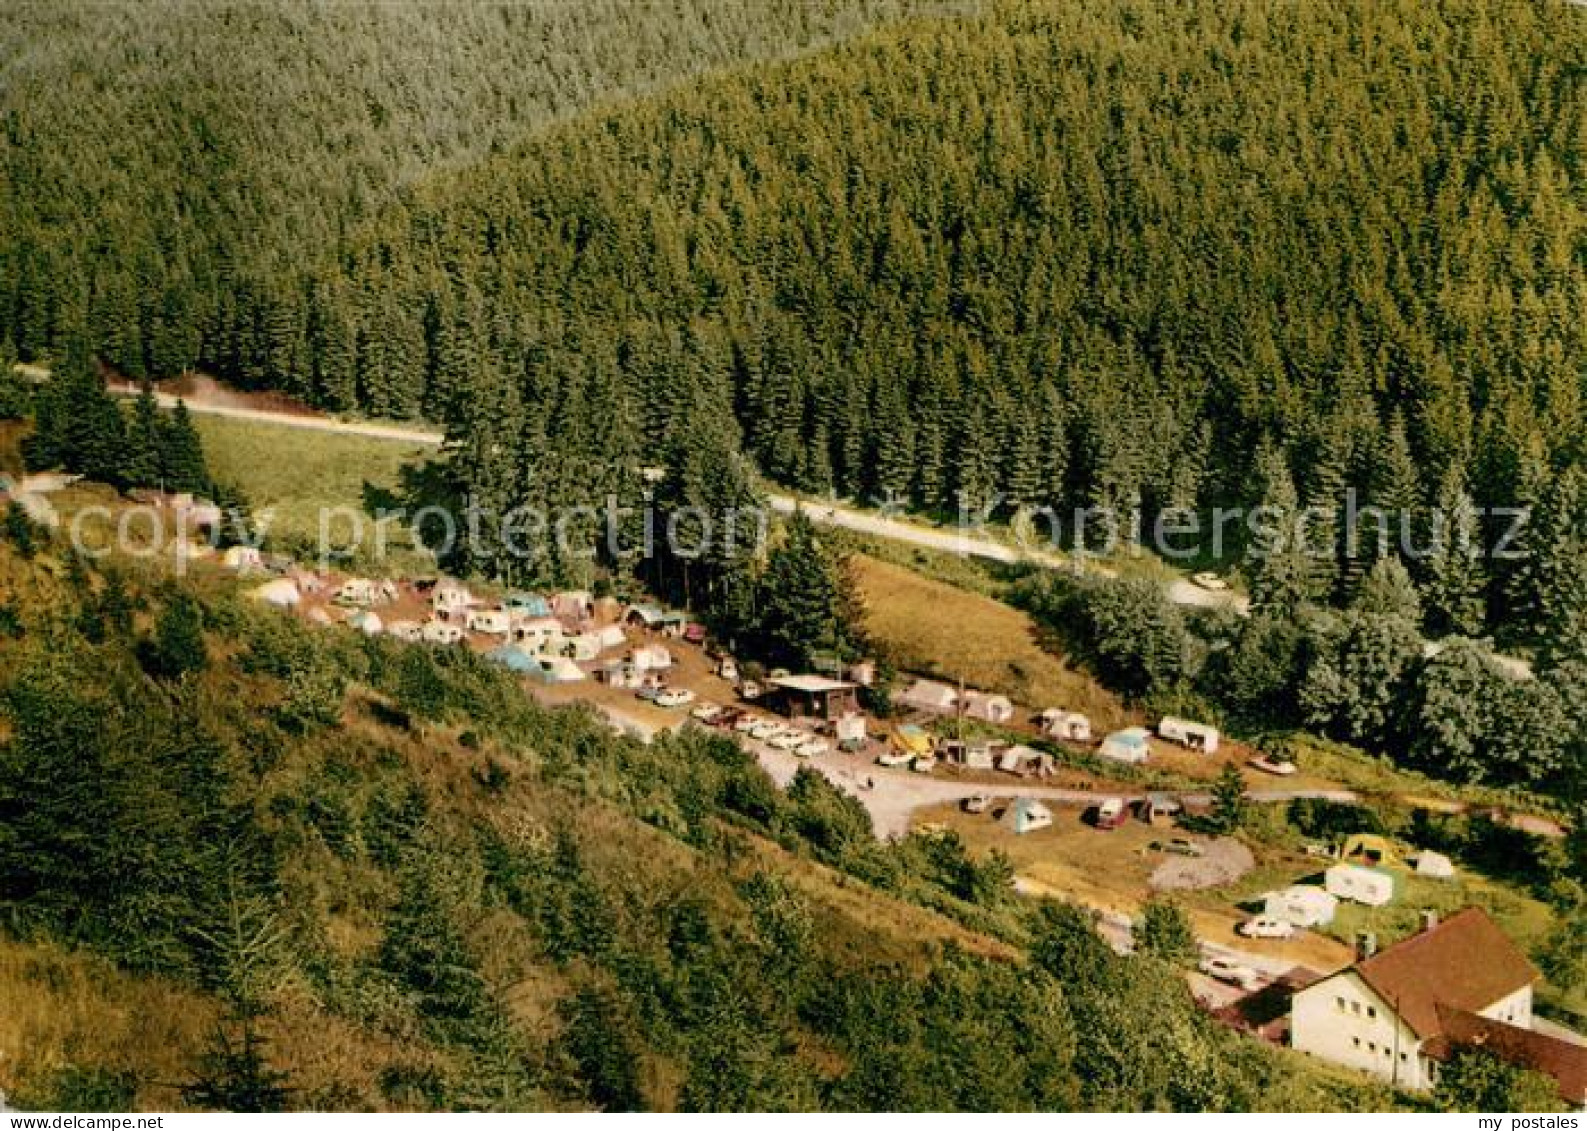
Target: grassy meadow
(293,474)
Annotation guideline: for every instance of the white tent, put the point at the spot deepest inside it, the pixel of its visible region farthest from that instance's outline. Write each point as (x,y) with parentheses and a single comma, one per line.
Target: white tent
(1069,726)
(651,657)
(929,695)
(989,708)
(439,632)
(584,646)
(558,669)
(242,559)
(282,593)
(491,622)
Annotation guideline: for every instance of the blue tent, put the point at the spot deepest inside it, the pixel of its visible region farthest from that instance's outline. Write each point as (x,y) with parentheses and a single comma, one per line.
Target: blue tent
(1027,815)
(529,604)
(515,659)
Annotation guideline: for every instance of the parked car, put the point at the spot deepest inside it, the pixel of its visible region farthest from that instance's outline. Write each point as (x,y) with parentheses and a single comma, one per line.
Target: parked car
(1111,813)
(706,712)
(788,739)
(977,804)
(923,764)
(747,722)
(750,690)
(1228,970)
(1267,927)
(894,758)
(1179,846)
(1271,765)
(675,697)
(650,694)
(727,718)
(765,730)
(812,748)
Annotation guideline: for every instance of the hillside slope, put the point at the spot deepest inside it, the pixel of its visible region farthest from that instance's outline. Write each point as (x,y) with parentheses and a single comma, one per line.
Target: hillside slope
(367,875)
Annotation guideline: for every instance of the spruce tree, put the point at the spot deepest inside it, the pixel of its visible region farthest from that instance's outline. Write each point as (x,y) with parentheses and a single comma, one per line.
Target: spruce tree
(800,596)
(1456,577)
(182,466)
(1279,565)
(142,464)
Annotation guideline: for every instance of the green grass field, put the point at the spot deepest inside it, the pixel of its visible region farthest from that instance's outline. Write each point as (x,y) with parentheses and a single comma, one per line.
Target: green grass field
(295,475)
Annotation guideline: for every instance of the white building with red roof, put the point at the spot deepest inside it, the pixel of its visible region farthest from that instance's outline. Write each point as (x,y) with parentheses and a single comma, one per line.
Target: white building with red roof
(1398,1013)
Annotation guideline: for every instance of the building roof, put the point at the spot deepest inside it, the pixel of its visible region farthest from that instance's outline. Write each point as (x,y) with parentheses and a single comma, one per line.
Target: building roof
(810,684)
(1552,1056)
(1466,963)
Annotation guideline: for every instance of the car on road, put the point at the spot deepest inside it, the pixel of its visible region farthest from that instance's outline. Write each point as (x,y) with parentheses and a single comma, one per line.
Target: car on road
(706,713)
(788,739)
(746,723)
(977,804)
(1228,970)
(923,764)
(675,697)
(1267,927)
(894,758)
(650,694)
(1209,581)
(1268,764)
(765,730)
(1111,813)
(1179,846)
(812,748)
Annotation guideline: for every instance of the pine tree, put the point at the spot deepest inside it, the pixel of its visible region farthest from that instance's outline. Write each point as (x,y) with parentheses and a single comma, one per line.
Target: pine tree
(1280,567)
(1389,592)
(142,465)
(182,466)
(1560,569)
(800,596)
(1230,807)
(1456,577)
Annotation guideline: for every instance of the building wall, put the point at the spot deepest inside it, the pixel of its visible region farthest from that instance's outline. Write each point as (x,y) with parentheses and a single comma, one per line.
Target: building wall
(1342,1020)
(1515,1009)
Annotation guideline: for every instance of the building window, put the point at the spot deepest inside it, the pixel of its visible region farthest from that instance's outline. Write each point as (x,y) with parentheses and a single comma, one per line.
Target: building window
(1340,1003)
(1356,1041)
(1372,1011)
(1355,1007)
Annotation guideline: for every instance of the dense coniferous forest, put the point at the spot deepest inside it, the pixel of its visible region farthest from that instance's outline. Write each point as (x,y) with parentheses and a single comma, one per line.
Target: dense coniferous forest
(171,169)
(1101,253)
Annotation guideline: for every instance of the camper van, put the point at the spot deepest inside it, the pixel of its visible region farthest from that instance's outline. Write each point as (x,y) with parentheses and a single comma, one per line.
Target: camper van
(1371,886)
(1193,736)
